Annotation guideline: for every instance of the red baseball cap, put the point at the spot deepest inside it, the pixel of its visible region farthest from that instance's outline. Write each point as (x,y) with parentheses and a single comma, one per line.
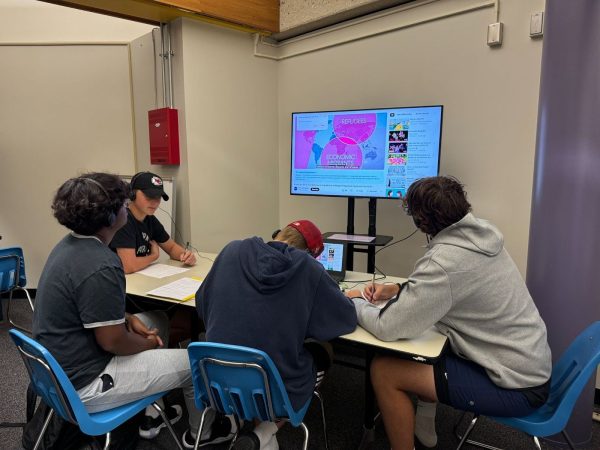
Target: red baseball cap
(311,234)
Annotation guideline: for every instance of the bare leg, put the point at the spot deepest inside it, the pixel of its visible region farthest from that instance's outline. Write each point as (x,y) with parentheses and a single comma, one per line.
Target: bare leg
(393,379)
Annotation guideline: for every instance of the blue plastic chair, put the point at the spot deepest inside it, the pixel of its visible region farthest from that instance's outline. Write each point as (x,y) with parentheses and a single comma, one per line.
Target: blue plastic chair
(569,376)
(242,381)
(56,390)
(12,277)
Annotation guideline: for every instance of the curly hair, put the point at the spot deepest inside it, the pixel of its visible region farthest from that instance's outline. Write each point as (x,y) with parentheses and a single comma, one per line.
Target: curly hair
(85,204)
(436,203)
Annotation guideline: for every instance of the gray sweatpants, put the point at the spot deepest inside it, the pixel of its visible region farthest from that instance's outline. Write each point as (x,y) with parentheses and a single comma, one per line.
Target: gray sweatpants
(146,373)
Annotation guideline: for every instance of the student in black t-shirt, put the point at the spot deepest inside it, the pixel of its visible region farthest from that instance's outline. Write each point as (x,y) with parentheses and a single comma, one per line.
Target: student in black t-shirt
(138,242)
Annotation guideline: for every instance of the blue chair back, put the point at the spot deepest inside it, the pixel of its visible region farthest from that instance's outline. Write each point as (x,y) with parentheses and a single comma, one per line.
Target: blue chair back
(242,381)
(51,383)
(569,376)
(12,268)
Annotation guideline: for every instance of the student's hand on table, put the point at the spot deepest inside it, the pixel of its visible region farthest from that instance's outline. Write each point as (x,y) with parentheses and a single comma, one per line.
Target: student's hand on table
(188,258)
(379,292)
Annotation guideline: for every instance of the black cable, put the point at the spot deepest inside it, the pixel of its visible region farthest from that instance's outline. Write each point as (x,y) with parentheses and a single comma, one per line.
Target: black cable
(180,236)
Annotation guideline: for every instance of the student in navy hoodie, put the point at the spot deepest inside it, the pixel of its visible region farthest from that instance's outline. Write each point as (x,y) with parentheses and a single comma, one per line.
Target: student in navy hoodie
(274,296)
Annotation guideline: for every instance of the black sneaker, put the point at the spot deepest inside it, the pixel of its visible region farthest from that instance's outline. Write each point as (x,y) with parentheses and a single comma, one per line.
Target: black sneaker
(151,426)
(222,429)
(246,441)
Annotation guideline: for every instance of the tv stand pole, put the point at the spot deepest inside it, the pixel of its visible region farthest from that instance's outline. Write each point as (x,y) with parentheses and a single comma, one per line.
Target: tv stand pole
(370,246)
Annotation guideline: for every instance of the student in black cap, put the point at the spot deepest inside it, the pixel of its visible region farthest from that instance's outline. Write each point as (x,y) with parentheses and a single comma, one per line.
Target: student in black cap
(138,243)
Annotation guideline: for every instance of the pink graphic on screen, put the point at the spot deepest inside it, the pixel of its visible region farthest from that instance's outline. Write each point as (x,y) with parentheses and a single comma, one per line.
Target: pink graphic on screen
(304,143)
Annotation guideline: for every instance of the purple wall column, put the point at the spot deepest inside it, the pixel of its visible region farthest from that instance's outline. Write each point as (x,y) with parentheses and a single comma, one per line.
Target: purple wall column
(563,268)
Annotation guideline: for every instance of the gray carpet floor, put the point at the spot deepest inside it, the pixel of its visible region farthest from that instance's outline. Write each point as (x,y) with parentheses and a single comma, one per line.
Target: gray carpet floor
(342,392)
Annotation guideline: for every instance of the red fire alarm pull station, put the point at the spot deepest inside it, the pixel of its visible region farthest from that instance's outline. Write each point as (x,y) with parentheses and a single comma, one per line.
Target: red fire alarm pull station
(164,136)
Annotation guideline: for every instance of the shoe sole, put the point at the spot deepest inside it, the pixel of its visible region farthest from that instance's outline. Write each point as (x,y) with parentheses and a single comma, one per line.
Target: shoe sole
(147,434)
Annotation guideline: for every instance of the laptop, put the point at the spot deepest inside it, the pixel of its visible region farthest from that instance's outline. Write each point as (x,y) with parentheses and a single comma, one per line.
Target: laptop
(333,259)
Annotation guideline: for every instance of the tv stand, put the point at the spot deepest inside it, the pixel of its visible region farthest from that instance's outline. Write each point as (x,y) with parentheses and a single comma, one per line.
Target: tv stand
(362,247)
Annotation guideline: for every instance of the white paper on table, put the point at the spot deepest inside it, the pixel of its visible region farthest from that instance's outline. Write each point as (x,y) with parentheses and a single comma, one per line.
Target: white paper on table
(351,237)
(161,270)
(183,289)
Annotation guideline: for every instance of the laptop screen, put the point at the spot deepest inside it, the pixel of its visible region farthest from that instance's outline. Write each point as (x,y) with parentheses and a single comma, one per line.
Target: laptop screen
(333,257)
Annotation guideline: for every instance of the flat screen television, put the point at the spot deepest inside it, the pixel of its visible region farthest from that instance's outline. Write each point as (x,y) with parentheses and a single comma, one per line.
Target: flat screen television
(375,153)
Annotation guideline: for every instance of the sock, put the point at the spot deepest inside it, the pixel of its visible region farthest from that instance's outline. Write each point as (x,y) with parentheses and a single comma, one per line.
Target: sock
(266,435)
(425,423)
(150,411)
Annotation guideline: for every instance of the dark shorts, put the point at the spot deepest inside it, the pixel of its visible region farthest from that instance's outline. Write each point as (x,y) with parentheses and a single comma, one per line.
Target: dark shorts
(465,385)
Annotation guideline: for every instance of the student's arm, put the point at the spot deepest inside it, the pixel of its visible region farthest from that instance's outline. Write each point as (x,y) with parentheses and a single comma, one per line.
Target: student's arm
(178,253)
(116,339)
(133,263)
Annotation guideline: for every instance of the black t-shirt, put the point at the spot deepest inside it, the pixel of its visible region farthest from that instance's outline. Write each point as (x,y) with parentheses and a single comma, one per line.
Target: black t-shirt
(82,287)
(137,235)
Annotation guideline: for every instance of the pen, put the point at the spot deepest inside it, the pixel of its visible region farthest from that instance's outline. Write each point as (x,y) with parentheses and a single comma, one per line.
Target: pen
(187,246)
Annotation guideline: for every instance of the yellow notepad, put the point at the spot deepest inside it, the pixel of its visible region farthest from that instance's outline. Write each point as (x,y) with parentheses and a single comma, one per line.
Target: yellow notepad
(183,289)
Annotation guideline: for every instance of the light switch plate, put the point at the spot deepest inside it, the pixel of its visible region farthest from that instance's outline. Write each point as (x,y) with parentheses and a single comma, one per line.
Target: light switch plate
(536,25)
(494,34)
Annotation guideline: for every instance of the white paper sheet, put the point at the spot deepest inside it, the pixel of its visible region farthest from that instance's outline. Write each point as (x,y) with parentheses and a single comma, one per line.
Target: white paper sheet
(183,289)
(351,237)
(161,270)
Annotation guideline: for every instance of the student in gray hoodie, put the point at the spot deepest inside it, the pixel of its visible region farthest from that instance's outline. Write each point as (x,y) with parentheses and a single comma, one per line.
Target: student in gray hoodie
(469,288)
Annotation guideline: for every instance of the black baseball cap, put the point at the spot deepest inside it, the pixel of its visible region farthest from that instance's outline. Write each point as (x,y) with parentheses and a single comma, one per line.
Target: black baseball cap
(150,184)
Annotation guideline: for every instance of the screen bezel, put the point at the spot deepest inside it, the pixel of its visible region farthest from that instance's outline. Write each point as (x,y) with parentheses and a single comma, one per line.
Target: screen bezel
(354,111)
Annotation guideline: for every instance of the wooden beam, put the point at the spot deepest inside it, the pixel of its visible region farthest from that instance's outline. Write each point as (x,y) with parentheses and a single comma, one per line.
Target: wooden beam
(245,15)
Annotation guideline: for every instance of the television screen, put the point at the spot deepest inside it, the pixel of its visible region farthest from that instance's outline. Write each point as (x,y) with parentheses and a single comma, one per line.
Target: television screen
(364,153)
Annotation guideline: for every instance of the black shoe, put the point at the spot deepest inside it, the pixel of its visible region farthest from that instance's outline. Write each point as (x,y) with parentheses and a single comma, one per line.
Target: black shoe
(247,441)
(151,426)
(222,429)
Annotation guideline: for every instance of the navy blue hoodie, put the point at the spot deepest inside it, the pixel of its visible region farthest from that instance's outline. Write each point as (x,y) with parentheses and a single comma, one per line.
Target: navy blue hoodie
(272,297)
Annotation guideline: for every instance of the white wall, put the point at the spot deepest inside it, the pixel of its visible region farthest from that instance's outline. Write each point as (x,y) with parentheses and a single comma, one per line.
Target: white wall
(65,108)
(490,97)
(231,126)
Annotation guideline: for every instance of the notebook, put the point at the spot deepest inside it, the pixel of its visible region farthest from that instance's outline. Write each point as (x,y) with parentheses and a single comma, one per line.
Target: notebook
(333,259)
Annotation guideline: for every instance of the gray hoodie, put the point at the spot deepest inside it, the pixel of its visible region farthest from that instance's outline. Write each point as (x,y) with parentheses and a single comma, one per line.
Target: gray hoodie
(468,286)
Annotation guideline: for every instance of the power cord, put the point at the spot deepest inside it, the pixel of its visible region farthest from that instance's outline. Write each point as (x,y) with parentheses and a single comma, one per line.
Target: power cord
(180,236)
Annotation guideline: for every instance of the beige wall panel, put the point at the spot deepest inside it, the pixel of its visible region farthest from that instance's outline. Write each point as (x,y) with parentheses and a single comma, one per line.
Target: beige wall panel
(231,126)
(64,110)
(36,21)
(490,97)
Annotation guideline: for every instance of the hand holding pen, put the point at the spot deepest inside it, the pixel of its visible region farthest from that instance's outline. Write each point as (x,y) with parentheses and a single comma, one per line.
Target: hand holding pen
(188,257)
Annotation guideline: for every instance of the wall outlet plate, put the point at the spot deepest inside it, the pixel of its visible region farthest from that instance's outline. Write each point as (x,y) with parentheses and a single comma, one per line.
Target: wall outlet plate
(494,34)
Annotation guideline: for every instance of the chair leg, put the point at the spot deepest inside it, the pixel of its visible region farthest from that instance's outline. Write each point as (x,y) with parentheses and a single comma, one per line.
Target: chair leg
(318,395)
(536,441)
(46,423)
(17,326)
(107,441)
(568,439)
(199,432)
(305,445)
(468,431)
(167,423)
